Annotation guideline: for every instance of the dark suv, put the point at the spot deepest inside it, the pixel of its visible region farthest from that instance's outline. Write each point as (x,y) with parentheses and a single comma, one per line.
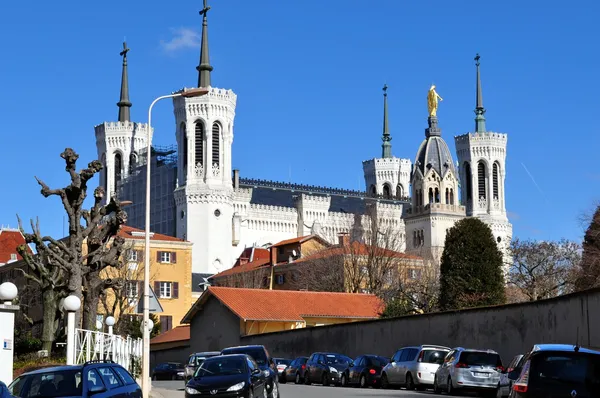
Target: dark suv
(102,379)
(557,370)
(326,368)
(194,362)
(265,362)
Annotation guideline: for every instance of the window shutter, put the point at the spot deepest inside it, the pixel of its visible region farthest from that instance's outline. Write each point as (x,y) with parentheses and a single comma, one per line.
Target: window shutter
(175,290)
(163,323)
(158,254)
(140,288)
(140,256)
(174,257)
(169,322)
(156,289)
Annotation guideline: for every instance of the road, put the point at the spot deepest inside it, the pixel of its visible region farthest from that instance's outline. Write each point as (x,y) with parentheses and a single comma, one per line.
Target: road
(174,389)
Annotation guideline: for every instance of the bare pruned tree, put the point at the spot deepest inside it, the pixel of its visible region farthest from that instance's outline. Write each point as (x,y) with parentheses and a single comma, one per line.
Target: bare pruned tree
(62,267)
(251,279)
(543,269)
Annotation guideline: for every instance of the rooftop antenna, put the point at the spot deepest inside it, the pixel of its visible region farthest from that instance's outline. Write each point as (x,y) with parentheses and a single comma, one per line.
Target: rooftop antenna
(576,348)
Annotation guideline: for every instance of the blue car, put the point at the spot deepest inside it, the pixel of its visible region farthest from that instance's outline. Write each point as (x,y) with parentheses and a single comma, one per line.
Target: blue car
(101,379)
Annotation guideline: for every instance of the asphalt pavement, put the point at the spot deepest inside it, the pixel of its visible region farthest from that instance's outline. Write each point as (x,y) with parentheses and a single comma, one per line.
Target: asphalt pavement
(174,389)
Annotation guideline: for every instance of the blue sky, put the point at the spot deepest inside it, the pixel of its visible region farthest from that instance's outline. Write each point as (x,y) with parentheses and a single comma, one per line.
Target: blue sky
(308,75)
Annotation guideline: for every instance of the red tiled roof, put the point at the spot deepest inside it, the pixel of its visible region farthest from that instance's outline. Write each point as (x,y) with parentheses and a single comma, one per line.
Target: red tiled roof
(9,241)
(290,305)
(127,232)
(300,239)
(357,249)
(180,333)
(254,253)
(254,265)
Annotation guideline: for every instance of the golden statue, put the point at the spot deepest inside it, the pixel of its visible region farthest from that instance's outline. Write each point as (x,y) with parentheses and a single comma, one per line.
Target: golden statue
(432,101)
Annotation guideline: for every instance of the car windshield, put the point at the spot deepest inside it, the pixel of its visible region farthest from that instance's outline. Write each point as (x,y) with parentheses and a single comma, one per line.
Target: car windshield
(475,358)
(259,355)
(376,362)
(570,368)
(221,367)
(336,359)
(63,383)
(279,361)
(434,356)
(199,360)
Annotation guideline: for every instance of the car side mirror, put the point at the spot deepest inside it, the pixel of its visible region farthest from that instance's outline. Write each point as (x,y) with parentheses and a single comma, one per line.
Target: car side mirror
(514,374)
(96,390)
(256,372)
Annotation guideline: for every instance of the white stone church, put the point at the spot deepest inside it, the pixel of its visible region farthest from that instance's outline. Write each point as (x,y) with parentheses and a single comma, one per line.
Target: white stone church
(198,197)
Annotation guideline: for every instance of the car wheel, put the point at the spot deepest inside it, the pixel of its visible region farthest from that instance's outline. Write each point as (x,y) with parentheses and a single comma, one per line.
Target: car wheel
(307,378)
(265,394)
(436,388)
(325,380)
(344,381)
(251,394)
(297,380)
(363,381)
(174,377)
(275,391)
(499,392)
(385,384)
(283,378)
(449,387)
(410,385)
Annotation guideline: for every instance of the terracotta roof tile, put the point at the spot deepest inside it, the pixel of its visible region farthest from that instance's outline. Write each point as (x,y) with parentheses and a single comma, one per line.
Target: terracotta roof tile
(256,253)
(243,268)
(179,333)
(299,239)
(266,305)
(128,232)
(9,241)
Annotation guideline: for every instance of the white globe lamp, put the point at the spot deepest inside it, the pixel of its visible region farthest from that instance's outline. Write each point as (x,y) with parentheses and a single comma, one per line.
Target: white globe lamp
(98,325)
(72,303)
(110,321)
(8,292)
(150,326)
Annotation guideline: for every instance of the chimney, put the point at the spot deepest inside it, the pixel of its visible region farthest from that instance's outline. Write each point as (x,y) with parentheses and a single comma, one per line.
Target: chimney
(344,238)
(236,179)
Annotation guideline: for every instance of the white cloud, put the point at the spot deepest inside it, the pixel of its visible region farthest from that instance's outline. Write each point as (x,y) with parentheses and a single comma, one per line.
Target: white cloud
(181,38)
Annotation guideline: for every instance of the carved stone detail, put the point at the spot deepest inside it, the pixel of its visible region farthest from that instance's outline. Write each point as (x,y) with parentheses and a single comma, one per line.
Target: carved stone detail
(216,170)
(482,203)
(198,170)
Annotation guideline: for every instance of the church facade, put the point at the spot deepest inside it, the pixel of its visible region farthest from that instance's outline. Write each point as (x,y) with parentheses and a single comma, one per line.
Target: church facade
(197,196)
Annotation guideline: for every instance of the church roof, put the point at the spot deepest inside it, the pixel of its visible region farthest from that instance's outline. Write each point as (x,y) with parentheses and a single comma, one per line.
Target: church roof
(433,152)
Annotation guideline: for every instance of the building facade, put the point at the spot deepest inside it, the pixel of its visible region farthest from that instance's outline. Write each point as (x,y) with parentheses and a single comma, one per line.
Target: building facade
(223,214)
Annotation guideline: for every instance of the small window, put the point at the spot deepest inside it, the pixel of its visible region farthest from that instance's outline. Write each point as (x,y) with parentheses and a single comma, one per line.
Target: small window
(165,257)
(124,375)
(110,378)
(166,290)
(93,379)
(131,289)
(13,256)
(280,279)
(133,255)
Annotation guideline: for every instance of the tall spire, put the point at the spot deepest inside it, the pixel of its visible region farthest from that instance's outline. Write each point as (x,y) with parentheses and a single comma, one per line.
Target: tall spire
(479,109)
(386,138)
(124,104)
(204,68)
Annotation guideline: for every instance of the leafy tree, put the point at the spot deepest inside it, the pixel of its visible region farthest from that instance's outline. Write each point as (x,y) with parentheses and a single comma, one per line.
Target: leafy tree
(589,272)
(129,325)
(396,307)
(471,272)
(543,269)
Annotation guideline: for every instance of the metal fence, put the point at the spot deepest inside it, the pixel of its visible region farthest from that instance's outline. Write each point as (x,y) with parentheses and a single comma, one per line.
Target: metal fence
(92,345)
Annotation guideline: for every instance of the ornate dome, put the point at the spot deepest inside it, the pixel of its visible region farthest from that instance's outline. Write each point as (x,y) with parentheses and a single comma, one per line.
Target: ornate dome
(434,152)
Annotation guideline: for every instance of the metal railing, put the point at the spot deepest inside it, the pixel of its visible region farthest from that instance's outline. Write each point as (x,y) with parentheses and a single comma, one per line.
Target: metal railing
(91,345)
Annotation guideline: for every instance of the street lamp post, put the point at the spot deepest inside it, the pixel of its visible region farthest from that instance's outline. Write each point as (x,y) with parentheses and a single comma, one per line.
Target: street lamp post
(72,304)
(194,92)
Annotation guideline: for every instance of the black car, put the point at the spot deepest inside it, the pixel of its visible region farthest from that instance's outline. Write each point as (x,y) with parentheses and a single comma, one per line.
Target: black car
(265,363)
(295,370)
(365,371)
(194,362)
(236,375)
(168,371)
(557,370)
(281,365)
(102,379)
(325,368)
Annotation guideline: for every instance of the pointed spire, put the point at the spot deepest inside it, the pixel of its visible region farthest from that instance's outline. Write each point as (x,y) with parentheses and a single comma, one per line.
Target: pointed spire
(386,138)
(124,104)
(479,109)
(204,68)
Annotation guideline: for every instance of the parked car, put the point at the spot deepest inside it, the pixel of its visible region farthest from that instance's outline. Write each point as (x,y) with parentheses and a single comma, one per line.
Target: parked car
(168,371)
(505,384)
(325,368)
(365,371)
(265,363)
(414,367)
(281,364)
(557,370)
(295,370)
(194,362)
(236,375)
(469,369)
(102,379)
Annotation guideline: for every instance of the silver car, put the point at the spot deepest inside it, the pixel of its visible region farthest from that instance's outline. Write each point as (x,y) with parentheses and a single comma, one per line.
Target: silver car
(469,369)
(414,367)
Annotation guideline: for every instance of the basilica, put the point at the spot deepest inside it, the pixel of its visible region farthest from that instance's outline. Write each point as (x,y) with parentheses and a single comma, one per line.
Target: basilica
(196,196)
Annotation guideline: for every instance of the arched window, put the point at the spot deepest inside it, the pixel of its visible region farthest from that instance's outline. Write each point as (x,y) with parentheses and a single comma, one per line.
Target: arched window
(184,138)
(451,196)
(437,195)
(373,190)
(387,191)
(216,139)
(447,196)
(481,180)
(132,162)
(495,180)
(199,143)
(399,191)
(118,168)
(430,195)
(469,182)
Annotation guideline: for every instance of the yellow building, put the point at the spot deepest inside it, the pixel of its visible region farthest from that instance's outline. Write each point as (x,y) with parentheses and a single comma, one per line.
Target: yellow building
(170,278)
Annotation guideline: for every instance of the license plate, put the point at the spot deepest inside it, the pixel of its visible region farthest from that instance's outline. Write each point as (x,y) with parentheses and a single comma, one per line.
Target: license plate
(481,374)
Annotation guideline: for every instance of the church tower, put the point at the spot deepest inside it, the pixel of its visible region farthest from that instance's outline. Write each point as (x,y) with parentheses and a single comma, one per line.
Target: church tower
(482,159)
(387,176)
(204,195)
(434,203)
(119,143)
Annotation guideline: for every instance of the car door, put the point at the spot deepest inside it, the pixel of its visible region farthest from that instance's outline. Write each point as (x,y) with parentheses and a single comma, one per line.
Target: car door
(394,373)
(290,370)
(444,370)
(311,367)
(133,389)
(113,382)
(353,375)
(257,379)
(93,384)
